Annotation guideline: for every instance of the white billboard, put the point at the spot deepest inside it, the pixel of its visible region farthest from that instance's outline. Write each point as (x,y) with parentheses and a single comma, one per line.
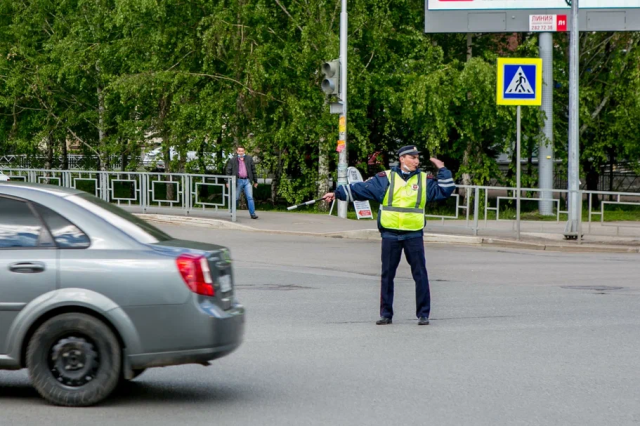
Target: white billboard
(527,4)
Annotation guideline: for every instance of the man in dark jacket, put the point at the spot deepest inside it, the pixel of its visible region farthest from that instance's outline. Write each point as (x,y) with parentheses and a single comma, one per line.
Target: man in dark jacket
(402,193)
(241,166)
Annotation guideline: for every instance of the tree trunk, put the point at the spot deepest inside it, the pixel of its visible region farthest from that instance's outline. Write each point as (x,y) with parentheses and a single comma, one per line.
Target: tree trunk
(49,160)
(201,160)
(323,175)
(277,176)
(530,160)
(164,106)
(166,154)
(593,177)
(611,161)
(101,132)
(65,155)
(124,158)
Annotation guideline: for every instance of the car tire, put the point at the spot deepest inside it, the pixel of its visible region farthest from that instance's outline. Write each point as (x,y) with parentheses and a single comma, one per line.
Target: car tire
(74,360)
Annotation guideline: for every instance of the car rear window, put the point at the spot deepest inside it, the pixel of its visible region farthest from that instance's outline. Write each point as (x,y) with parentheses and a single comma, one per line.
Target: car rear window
(65,233)
(20,227)
(131,225)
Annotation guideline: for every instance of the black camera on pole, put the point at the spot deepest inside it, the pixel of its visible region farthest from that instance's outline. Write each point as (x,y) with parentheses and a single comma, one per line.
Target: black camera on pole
(331,80)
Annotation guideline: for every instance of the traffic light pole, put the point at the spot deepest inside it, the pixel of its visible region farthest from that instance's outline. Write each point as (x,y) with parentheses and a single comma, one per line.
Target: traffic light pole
(342,123)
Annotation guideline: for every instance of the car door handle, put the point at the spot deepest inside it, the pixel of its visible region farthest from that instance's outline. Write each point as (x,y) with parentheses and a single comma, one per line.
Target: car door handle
(27,267)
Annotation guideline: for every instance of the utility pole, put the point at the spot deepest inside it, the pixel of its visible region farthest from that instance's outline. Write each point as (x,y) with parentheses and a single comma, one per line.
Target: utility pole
(545,150)
(343,158)
(572,230)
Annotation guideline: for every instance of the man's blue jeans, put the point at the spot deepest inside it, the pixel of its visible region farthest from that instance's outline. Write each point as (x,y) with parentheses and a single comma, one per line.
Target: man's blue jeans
(245,185)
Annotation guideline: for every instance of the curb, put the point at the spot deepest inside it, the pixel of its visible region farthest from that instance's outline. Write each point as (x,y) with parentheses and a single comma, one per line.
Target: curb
(582,248)
(373,234)
(193,221)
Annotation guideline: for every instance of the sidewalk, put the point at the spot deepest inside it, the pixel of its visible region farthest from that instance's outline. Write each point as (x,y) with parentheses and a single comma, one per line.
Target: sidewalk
(534,235)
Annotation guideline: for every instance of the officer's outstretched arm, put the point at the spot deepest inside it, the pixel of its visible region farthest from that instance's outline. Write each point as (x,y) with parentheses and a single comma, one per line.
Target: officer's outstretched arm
(373,189)
(443,187)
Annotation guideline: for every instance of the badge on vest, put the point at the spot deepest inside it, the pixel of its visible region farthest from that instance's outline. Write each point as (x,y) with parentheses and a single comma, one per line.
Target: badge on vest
(414,187)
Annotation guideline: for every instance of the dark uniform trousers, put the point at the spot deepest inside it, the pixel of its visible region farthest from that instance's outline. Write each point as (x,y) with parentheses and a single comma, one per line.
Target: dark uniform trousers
(414,252)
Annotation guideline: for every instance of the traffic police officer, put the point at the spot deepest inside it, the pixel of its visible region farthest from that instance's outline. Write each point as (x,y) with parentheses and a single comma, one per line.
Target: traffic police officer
(402,193)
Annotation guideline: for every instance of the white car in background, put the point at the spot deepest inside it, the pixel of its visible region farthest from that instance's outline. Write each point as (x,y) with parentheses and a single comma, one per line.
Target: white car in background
(154,159)
(4,178)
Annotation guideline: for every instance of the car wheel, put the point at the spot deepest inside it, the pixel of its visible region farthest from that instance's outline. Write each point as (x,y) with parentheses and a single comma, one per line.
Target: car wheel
(74,360)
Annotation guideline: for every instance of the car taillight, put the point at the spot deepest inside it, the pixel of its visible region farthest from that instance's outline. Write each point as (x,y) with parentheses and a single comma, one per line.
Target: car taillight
(196,274)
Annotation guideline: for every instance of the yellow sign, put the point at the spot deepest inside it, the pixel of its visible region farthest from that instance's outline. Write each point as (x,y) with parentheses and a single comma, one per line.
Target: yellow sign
(342,124)
(519,81)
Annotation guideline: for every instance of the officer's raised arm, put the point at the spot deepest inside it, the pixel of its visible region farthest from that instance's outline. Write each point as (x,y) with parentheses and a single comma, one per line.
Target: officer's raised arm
(442,187)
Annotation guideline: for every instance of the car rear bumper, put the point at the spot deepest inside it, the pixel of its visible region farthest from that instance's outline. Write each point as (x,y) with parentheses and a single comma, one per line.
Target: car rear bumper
(218,334)
(193,356)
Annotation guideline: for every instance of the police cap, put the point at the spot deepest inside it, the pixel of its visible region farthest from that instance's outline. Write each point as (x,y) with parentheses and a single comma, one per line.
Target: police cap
(408,150)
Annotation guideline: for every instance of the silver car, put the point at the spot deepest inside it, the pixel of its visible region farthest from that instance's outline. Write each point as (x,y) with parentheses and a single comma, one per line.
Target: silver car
(91,295)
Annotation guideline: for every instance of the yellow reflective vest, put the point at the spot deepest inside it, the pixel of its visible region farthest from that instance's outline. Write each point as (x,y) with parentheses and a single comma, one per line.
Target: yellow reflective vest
(403,206)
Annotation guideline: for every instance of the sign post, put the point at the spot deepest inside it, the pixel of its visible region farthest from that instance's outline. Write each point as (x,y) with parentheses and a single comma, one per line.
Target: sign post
(519,83)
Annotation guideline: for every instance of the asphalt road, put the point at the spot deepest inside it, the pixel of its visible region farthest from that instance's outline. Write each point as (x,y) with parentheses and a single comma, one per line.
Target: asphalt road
(517,338)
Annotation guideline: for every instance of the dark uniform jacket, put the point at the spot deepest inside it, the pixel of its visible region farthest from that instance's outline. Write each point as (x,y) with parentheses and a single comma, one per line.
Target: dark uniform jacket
(376,188)
(232,168)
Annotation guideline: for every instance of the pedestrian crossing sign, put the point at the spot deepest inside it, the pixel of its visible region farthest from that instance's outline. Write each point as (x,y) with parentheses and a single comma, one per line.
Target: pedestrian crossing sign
(519,81)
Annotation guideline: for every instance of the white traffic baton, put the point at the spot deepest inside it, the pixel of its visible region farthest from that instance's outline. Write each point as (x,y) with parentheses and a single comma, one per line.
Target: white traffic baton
(308,203)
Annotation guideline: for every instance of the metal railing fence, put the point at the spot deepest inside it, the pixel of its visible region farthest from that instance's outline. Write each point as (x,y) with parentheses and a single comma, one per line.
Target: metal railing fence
(478,209)
(489,208)
(142,192)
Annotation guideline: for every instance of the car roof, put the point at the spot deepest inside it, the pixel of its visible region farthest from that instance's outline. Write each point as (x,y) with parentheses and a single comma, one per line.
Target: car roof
(50,189)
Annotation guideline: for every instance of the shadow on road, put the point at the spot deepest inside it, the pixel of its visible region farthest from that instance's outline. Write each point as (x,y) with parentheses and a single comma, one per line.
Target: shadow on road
(139,393)
(18,391)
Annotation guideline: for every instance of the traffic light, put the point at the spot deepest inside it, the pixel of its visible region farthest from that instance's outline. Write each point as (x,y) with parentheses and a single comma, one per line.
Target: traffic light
(331,80)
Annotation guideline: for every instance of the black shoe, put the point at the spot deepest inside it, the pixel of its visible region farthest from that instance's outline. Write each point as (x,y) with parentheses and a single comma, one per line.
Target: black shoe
(254,216)
(423,321)
(384,321)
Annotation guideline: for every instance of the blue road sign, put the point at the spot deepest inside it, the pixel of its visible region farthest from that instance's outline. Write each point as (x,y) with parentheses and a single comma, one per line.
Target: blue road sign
(519,81)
